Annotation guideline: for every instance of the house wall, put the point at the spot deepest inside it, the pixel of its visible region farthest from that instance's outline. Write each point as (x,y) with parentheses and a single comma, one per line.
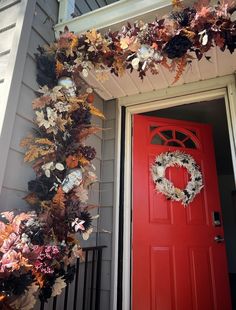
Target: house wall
(83,7)
(8,16)
(105,224)
(17,174)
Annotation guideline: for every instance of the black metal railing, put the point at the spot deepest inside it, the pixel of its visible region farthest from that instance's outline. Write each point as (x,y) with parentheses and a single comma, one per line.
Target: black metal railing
(84,292)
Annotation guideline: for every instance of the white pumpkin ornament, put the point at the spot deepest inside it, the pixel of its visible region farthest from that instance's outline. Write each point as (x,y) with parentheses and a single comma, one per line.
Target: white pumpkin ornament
(72,179)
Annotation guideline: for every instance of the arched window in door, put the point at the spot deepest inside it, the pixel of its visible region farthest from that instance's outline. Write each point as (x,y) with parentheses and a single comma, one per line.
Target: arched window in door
(174,136)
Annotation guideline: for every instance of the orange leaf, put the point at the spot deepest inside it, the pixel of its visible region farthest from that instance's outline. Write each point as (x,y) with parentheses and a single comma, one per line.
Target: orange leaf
(2,297)
(39,278)
(177,3)
(59,68)
(41,102)
(72,161)
(59,198)
(181,64)
(96,112)
(31,199)
(26,141)
(83,161)
(38,148)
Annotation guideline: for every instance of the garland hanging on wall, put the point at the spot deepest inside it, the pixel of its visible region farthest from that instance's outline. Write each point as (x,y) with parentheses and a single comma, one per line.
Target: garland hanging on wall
(166,187)
(38,247)
(173,42)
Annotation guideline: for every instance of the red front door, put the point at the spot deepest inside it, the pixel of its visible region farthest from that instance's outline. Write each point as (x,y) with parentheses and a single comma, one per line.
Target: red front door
(176,263)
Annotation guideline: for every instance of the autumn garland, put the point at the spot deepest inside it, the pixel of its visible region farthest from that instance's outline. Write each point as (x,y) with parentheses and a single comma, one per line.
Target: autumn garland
(172,42)
(38,248)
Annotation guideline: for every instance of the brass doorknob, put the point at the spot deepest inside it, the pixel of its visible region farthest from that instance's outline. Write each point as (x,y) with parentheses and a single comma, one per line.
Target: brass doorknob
(219,239)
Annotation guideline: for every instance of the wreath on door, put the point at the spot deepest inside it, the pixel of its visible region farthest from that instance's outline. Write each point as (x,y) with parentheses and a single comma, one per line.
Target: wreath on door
(166,187)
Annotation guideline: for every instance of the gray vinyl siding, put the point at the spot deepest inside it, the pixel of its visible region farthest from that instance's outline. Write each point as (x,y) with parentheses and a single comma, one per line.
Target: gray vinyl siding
(17,173)
(107,198)
(86,6)
(8,17)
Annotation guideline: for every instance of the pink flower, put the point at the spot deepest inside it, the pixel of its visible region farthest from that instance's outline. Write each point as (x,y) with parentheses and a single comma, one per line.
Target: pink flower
(10,260)
(46,258)
(9,242)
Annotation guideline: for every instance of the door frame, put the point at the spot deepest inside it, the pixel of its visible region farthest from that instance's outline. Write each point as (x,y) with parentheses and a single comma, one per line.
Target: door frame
(221,87)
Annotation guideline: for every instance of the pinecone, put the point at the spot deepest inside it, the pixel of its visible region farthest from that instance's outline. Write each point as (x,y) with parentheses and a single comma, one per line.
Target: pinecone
(88,152)
(46,69)
(82,115)
(177,46)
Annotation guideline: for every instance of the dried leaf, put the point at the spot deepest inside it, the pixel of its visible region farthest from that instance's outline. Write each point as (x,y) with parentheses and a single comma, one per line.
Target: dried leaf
(35,152)
(87,233)
(181,64)
(81,193)
(58,286)
(39,278)
(59,198)
(219,40)
(177,3)
(165,64)
(41,102)
(26,141)
(84,133)
(59,68)
(32,154)
(189,34)
(93,36)
(39,147)
(83,161)
(44,141)
(96,112)
(3,297)
(61,123)
(124,42)
(31,199)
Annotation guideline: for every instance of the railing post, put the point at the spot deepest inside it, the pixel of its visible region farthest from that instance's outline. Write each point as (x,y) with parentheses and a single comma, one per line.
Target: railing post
(54,306)
(90,301)
(66,8)
(41,305)
(98,280)
(85,279)
(76,284)
(92,280)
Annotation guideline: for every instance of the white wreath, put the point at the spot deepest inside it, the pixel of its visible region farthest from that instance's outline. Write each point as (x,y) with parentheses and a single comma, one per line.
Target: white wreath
(166,187)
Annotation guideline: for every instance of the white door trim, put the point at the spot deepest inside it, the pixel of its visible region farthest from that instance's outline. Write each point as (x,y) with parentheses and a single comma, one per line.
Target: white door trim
(222,87)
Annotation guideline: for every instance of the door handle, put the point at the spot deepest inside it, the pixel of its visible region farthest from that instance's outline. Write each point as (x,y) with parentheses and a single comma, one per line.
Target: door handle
(219,239)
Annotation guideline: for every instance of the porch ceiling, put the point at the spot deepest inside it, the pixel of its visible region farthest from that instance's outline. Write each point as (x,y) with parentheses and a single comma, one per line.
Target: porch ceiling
(220,64)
